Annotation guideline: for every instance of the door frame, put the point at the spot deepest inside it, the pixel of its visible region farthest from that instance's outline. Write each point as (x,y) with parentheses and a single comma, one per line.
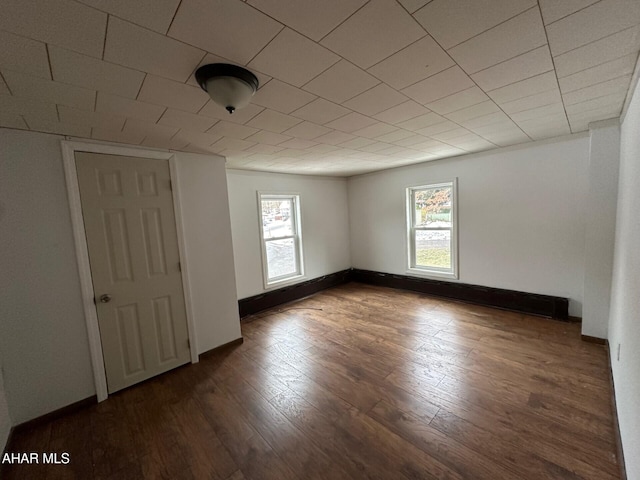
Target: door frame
(69,148)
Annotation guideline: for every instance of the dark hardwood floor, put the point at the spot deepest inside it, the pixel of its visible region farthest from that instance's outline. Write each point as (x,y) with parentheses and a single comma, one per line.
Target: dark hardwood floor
(356,382)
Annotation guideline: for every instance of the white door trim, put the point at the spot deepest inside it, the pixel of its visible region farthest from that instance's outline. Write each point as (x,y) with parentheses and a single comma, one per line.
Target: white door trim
(82,253)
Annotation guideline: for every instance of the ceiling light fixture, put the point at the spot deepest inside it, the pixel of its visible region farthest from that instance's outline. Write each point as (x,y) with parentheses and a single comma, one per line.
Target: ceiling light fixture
(230,86)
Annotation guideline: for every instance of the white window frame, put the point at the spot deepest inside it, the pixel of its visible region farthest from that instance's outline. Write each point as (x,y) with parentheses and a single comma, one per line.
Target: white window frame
(296,236)
(411,232)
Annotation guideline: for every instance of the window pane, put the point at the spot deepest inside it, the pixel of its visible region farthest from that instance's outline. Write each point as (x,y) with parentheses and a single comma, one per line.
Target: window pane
(276,218)
(433,207)
(433,248)
(281,257)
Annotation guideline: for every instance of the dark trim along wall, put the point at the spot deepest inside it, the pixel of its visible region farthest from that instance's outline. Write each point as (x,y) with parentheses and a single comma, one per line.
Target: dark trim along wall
(544,305)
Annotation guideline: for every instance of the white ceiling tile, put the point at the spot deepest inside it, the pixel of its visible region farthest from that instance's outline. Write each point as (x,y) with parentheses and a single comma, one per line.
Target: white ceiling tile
(593,115)
(440,85)
(452,23)
(375,147)
(377,30)
(532,101)
(613,100)
(413,5)
(43,125)
(351,122)
(421,121)
(264,149)
(524,88)
(307,130)
(341,82)
(395,136)
(320,111)
(11,105)
(438,128)
(282,97)
(273,121)
(601,73)
(404,111)
(297,143)
(293,58)
(22,85)
(172,94)
(415,62)
(186,121)
(228,143)
(610,87)
(524,66)
(493,120)
(24,55)
(592,23)
(141,49)
(391,150)
(231,29)
(604,50)
(546,130)
(268,138)
(149,129)
(4,90)
(411,141)
(505,139)
(242,115)
(357,143)
(10,120)
(554,110)
(457,101)
(59,22)
(153,14)
(376,130)
(129,108)
(376,100)
(108,121)
(449,135)
(309,17)
(553,10)
(335,138)
(196,138)
(519,35)
(77,69)
(232,130)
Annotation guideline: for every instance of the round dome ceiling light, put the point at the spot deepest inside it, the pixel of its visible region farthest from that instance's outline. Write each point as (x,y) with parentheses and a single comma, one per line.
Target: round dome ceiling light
(228,85)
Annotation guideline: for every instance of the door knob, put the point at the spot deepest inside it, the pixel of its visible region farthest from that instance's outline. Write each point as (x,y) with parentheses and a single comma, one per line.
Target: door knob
(106,298)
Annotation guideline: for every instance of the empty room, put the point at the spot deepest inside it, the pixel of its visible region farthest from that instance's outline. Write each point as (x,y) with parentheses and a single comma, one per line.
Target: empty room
(330,239)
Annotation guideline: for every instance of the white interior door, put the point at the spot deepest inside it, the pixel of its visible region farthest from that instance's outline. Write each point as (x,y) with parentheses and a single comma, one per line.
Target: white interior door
(127,206)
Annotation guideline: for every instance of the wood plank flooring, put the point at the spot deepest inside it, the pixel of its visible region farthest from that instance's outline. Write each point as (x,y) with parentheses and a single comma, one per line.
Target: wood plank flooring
(356,382)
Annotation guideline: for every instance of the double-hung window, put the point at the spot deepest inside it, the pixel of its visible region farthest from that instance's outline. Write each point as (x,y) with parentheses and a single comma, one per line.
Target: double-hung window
(431,230)
(281,238)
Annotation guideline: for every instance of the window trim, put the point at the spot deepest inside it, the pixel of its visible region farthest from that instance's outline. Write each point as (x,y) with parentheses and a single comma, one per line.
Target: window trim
(297,236)
(436,272)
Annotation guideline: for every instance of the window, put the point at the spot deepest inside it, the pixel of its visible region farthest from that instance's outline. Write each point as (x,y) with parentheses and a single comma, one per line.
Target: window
(432,233)
(281,240)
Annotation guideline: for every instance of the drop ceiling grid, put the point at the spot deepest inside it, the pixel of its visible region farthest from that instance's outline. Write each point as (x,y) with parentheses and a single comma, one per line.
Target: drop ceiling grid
(184,119)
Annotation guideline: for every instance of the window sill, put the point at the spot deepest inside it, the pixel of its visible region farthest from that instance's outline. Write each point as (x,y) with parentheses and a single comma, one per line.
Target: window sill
(284,282)
(417,272)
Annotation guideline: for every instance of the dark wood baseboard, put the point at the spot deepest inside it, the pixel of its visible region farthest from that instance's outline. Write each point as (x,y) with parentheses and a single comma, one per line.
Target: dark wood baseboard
(614,411)
(61,412)
(263,301)
(222,348)
(573,319)
(544,305)
(590,339)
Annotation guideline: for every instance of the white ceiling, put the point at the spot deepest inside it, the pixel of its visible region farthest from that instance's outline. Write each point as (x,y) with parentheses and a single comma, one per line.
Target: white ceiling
(346,86)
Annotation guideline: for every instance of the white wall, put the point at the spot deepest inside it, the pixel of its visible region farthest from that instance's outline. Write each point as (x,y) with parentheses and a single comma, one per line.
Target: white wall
(205,215)
(521,217)
(42,331)
(624,323)
(325,224)
(44,338)
(601,202)
(5,419)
